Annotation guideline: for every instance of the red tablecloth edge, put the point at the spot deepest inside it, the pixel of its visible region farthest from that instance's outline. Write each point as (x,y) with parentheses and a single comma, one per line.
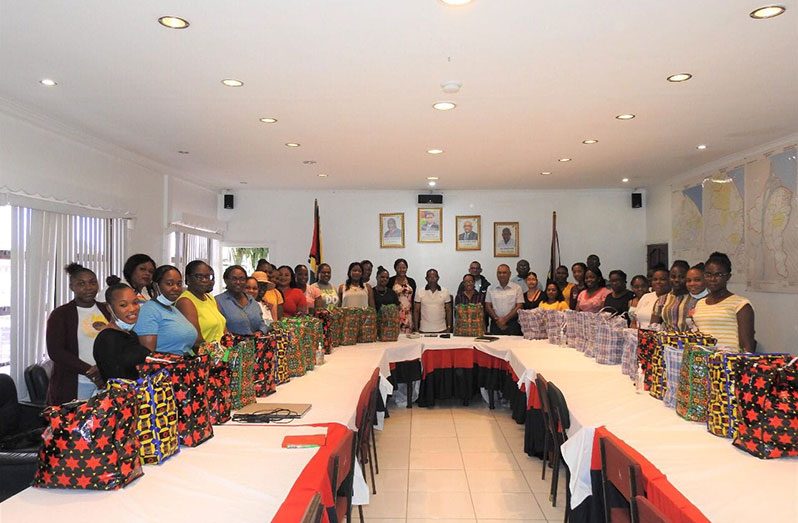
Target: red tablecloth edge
(314,478)
(658,489)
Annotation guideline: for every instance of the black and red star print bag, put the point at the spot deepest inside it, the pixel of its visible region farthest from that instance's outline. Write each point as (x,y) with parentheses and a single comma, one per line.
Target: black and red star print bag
(91,445)
(767,408)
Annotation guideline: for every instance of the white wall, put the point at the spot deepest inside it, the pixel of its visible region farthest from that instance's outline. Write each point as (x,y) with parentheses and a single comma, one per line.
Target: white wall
(588,221)
(776,328)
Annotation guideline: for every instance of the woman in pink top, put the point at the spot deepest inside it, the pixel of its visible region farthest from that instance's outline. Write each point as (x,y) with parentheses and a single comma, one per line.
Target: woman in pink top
(592,298)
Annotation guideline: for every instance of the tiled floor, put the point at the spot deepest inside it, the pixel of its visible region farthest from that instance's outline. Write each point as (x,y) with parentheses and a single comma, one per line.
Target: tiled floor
(455,463)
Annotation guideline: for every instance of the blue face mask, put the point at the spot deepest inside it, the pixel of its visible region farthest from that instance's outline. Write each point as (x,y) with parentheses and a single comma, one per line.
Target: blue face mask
(161,298)
(125,326)
(702,294)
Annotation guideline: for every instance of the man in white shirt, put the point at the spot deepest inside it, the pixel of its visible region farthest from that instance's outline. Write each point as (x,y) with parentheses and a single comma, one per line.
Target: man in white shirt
(503,302)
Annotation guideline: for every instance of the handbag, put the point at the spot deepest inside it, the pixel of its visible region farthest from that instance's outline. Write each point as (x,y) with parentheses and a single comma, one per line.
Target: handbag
(265,379)
(91,445)
(388,323)
(609,339)
(767,396)
(189,377)
(350,328)
(692,392)
(569,317)
(470,320)
(555,327)
(156,423)
(278,342)
(629,353)
(218,391)
(336,327)
(296,360)
(326,329)
(533,323)
(240,357)
(367,333)
(673,366)
(646,346)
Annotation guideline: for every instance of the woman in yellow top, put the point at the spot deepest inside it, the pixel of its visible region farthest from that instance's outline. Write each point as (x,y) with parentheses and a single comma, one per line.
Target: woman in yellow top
(198,305)
(722,314)
(554,298)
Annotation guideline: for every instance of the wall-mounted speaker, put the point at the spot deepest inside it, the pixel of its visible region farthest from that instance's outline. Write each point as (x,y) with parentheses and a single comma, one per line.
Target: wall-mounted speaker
(430,198)
(229,201)
(637,200)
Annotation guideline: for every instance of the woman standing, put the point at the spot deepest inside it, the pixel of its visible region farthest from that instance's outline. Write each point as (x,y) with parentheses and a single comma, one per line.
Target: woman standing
(252,288)
(554,298)
(71,331)
(618,300)
(405,289)
(384,295)
(671,310)
(592,298)
(197,304)
(312,294)
(433,306)
(533,296)
(468,293)
(578,269)
(117,350)
(294,302)
(160,325)
(723,314)
(645,305)
(241,311)
(329,295)
(138,271)
(639,288)
(354,293)
(561,279)
(268,296)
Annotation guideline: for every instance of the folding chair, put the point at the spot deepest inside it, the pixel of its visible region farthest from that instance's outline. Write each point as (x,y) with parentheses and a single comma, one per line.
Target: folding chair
(643,511)
(620,478)
(543,393)
(560,423)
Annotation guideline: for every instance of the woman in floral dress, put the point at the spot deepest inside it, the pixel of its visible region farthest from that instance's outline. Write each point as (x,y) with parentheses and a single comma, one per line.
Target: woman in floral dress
(405,289)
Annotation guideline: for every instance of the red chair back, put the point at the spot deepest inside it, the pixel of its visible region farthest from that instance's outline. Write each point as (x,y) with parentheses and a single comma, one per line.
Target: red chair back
(621,471)
(643,511)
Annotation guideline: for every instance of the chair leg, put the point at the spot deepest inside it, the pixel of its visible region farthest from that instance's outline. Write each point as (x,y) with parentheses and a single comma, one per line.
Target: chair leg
(546,439)
(491,399)
(567,494)
(360,512)
(409,389)
(555,479)
(373,483)
(374,446)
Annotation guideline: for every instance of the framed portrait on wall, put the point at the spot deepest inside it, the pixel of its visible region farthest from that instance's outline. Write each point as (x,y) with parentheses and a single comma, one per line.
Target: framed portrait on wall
(392,230)
(430,225)
(505,239)
(468,230)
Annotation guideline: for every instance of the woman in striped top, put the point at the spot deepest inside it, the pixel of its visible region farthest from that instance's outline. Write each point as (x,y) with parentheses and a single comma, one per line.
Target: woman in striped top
(722,314)
(672,309)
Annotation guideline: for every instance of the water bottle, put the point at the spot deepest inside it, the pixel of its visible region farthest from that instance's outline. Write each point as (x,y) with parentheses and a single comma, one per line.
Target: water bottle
(320,354)
(640,382)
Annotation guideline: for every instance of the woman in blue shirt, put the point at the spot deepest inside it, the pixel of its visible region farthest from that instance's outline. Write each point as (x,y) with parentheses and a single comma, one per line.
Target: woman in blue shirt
(241,311)
(161,327)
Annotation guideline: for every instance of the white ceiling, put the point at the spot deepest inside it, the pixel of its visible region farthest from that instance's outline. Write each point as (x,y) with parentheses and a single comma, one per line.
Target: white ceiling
(353,81)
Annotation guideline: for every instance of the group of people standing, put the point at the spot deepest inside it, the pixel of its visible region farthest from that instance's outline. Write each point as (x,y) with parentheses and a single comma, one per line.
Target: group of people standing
(159,308)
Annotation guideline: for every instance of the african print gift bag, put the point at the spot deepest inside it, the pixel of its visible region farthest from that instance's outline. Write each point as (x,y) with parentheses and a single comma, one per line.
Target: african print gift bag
(189,377)
(692,392)
(367,333)
(91,445)
(156,423)
(278,342)
(240,357)
(336,327)
(388,323)
(533,323)
(265,379)
(218,391)
(646,346)
(351,325)
(326,327)
(469,320)
(294,356)
(767,397)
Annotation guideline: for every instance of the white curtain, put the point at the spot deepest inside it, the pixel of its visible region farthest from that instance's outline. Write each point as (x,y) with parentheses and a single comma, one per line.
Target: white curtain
(186,247)
(42,243)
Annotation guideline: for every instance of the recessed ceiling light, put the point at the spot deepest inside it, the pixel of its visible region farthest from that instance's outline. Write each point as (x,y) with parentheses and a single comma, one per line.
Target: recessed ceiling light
(701,147)
(173,22)
(292,144)
(183,152)
(456,2)
(431,183)
(444,106)
(322,175)
(48,82)
(679,77)
(589,141)
(231,82)
(268,120)
(625,180)
(435,151)
(451,86)
(625,116)
(545,173)
(767,11)
(432,177)
(564,160)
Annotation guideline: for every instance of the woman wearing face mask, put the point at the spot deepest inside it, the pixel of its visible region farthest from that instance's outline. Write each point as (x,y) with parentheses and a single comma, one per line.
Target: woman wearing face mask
(533,296)
(592,298)
(242,313)
(353,292)
(671,310)
(645,306)
(433,307)
(639,288)
(71,331)
(312,294)
(197,304)
(723,314)
(329,295)
(160,326)
(384,295)
(578,269)
(117,350)
(138,271)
